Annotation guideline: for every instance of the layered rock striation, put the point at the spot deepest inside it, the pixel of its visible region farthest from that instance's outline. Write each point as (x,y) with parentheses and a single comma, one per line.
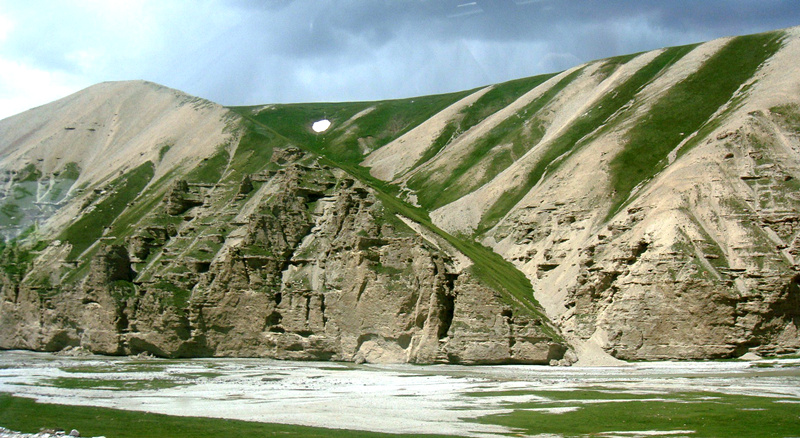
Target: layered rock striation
(641,207)
(319,270)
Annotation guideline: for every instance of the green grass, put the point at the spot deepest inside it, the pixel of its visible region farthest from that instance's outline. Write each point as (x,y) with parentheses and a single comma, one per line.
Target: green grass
(180,296)
(594,121)
(610,65)
(500,96)
(129,367)
(684,109)
(163,151)
(433,192)
(707,414)
(71,171)
(210,170)
(109,384)
(134,217)
(393,118)
(89,228)
(23,190)
(568,394)
(448,134)
(252,154)
(16,257)
(12,214)
(388,120)
(784,356)
(200,375)
(29,173)
(293,121)
(21,414)
(789,116)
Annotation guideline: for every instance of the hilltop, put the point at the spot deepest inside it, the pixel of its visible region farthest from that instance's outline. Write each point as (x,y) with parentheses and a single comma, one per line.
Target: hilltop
(638,207)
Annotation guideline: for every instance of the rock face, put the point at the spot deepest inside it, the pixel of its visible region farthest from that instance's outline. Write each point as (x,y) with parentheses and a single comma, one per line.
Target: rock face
(713,277)
(700,265)
(179,199)
(642,207)
(319,270)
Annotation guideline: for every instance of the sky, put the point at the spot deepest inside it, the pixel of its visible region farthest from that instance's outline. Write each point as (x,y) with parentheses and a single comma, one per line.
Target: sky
(248,52)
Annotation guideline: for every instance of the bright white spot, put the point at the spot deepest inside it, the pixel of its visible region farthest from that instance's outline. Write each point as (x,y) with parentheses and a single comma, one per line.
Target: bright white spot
(321,125)
(84,59)
(560,410)
(6,26)
(23,86)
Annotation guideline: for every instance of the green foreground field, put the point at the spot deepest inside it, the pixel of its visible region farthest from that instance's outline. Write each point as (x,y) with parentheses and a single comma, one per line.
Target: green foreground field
(593,412)
(26,415)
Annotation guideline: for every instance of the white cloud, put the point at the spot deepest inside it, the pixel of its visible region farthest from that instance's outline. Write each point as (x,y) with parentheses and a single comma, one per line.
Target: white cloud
(6,26)
(23,87)
(86,60)
(258,51)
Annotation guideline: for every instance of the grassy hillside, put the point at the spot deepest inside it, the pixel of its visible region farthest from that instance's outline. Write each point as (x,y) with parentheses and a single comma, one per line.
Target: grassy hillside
(489,267)
(630,115)
(387,121)
(687,108)
(346,143)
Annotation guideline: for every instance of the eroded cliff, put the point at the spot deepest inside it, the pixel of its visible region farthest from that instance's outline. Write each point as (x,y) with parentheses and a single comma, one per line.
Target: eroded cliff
(639,207)
(301,261)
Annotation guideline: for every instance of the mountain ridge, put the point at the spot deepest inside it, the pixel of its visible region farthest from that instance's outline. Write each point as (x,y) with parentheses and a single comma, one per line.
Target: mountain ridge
(624,195)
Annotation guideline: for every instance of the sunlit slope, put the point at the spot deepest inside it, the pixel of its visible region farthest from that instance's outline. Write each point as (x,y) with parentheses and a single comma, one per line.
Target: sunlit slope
(638,207)
(270,244)
(390,119)
(57,153)
(654,217)
(649,197)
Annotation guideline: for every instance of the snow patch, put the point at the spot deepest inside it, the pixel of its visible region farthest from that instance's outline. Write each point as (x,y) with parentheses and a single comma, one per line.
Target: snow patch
(321,125)
(561,410)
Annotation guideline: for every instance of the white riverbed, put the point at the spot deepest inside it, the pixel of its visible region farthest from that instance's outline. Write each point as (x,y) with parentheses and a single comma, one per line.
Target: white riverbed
(382,398)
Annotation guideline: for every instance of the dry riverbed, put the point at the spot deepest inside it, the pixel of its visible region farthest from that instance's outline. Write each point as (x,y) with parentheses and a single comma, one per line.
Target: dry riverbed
(639,399)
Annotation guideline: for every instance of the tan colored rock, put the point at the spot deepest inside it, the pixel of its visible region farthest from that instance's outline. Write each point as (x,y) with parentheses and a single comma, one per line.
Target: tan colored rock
(303,261)
(345,281)
(484,330)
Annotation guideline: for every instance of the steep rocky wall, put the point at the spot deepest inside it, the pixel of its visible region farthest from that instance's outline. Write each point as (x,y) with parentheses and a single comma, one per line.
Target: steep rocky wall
(319,270)
(701,265)
(651,201)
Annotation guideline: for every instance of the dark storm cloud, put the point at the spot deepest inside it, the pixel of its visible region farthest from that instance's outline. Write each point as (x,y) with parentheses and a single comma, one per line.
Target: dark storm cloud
(395,48)
(510,20)
(381,49)
(257,51)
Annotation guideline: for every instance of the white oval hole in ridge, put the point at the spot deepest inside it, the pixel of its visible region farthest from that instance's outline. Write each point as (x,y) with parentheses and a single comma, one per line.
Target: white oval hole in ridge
(321,125)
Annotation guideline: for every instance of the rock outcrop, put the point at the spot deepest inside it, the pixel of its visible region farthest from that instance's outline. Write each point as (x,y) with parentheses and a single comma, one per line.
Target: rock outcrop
(320,270)
(642,207)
